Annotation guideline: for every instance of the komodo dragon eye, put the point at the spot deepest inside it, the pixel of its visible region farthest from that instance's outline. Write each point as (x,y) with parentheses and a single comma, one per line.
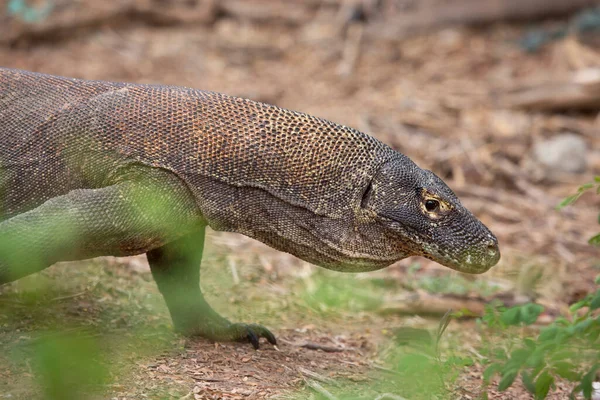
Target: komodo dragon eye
(432,205)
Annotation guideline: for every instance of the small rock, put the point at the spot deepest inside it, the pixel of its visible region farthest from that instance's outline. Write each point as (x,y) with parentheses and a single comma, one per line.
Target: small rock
(596,391)
(565,153)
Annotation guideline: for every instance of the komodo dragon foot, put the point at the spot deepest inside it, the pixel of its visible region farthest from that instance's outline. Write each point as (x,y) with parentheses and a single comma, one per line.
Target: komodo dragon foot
(250,333)
(176,270)
(225,331)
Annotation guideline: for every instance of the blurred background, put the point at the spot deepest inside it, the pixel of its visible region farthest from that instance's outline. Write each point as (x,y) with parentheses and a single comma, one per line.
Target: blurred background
(499,98)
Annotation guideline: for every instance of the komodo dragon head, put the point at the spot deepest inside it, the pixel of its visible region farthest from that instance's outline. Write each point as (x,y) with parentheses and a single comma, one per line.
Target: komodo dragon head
(418,214)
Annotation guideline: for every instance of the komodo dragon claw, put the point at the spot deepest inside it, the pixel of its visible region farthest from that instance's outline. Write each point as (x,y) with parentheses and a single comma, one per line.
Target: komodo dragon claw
(252,333)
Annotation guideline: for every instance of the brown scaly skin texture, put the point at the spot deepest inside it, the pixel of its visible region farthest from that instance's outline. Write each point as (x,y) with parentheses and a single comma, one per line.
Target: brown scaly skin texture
(96,168)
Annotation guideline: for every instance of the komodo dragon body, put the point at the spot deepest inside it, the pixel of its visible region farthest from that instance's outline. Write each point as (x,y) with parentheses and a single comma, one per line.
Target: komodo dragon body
(91,168)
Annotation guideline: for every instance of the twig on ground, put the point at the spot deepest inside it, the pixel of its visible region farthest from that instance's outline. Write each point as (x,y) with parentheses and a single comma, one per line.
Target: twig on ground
(71,296)
(207,379)
(325,348)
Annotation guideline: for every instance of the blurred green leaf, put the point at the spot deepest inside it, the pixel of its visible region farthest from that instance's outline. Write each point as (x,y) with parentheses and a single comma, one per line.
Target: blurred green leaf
(595,301)
(580,304)
(68,366)
(536,358)
(587,381)
(530,313)
(566,370)
(595,240)
(582,326)
(548,333)
(460,361)
(518,358)
(568,201)
(582,189)
(507,380)
(564,353)
(542,385)
(528,382)
(526,314)
(490,371)
(511,316)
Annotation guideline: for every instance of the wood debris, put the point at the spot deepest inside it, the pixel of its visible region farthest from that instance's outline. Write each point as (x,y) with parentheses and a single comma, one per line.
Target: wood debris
(580,91)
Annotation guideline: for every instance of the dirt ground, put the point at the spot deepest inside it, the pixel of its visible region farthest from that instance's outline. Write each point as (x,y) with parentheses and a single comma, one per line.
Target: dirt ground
(437,97)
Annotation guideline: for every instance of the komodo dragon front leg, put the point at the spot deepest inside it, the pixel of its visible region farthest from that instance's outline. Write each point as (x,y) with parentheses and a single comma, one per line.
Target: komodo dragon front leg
(175,267)
(147,210)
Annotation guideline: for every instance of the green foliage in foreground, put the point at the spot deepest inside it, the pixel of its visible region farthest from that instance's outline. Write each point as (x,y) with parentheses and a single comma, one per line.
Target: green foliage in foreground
(61,349)
(68,366)
(593,186)
(413,366)
(568,349)
(418,367)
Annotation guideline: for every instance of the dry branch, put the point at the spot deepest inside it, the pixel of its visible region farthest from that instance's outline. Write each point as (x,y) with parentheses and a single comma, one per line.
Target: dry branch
(317,346)
(68,18)
(268,10)
(579,91)
(430,14)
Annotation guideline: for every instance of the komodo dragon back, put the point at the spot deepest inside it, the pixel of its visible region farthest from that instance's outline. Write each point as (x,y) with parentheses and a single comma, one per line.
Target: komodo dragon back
(324,192)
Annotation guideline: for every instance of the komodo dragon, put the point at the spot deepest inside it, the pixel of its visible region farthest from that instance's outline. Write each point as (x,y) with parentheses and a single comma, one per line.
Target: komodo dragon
(91,168)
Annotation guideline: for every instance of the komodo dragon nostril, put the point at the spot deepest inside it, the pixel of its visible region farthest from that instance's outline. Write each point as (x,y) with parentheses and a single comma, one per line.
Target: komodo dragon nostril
(492,247)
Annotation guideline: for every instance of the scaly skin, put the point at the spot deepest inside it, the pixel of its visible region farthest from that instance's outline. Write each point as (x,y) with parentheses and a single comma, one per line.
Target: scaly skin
(95,168)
